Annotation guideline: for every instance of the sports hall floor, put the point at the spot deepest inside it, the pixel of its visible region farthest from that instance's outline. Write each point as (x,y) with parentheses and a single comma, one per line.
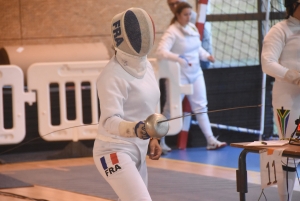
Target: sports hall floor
(198,161)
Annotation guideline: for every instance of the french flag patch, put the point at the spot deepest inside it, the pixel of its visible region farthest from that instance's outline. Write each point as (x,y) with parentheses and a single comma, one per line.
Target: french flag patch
(110,164)
(113,159)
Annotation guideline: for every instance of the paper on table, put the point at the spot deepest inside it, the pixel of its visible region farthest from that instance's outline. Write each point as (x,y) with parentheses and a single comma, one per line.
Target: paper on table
(269,143)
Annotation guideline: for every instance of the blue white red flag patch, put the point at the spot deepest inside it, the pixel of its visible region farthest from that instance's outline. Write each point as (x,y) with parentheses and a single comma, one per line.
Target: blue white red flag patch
(110,164)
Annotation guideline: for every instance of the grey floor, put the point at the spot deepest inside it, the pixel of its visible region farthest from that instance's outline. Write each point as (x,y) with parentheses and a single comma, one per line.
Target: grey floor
(163,185)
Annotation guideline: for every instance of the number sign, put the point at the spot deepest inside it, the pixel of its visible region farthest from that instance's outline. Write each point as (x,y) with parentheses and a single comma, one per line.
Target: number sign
(270,167)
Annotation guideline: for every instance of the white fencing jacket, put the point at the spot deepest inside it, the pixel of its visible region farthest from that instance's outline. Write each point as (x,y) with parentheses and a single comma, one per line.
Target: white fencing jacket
(125,97)
(281,49)
(179,40)
(281,52)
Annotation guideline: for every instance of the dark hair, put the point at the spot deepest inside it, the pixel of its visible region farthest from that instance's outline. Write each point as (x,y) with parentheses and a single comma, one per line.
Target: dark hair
(179,9)
(290,7)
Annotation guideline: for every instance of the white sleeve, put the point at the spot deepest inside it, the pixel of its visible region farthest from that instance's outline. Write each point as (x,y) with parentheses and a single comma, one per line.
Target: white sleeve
(273,45)
(112,92)
(207,38)
(203,54)
(165,45)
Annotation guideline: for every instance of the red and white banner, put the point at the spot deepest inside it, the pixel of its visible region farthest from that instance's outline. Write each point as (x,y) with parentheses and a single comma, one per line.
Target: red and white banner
(202,8)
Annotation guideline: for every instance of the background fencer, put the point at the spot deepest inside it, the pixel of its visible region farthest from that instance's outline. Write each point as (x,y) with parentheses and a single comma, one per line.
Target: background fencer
(128,93)
(280,59)
(181,43)
(206,44)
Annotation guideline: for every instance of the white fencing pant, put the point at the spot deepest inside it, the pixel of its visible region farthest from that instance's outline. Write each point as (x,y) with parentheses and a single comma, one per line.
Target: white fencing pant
(286,96)
(121,166)
(286,188)
(198,102)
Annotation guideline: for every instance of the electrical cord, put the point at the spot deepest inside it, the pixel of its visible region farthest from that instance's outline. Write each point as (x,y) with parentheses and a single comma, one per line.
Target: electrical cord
(220,110)
(42,136)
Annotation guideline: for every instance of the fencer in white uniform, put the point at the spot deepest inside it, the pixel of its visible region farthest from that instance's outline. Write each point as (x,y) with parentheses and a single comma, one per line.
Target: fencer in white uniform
(128,93)
(281,59)
(181,43)
(206,44)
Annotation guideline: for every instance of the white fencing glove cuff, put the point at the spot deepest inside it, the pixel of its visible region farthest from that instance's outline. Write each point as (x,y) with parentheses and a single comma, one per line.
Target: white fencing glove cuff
(292,76)
(133,129)
(182,60)
(126,129)
(140,131)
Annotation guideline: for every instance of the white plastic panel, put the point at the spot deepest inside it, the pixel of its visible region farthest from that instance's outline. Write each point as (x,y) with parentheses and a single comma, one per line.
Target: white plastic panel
(11,76)
(171,71)
(41,75)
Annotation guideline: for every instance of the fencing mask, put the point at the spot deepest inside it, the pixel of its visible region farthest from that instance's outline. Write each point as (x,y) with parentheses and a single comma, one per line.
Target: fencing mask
(133,32)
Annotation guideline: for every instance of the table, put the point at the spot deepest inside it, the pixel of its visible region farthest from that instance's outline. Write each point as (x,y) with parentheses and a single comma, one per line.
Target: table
(292,151)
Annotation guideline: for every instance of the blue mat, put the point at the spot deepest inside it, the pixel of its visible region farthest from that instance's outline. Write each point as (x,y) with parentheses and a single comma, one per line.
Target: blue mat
(10,182)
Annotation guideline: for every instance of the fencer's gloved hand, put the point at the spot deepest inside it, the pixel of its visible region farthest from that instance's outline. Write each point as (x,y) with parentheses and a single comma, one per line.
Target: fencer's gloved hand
(183,61)
(292,76)
(140,131)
